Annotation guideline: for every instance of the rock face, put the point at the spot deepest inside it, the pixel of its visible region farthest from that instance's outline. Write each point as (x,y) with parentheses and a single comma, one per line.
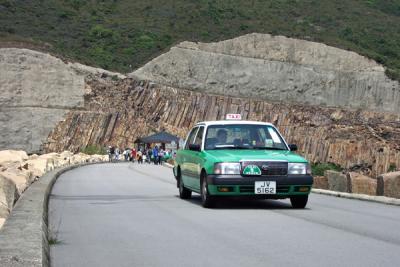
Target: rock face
(262,66)
(36,91)
(116,113)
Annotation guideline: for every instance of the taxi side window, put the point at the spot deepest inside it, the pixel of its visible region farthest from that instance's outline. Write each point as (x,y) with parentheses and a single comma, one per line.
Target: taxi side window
(190,138)
(199,136)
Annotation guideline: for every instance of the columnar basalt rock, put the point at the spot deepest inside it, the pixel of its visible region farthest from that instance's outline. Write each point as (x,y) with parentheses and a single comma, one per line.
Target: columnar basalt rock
(116,113)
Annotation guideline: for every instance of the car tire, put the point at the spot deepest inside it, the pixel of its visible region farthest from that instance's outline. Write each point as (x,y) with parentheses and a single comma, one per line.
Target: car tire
(207,200)
(299,202)
(184,193)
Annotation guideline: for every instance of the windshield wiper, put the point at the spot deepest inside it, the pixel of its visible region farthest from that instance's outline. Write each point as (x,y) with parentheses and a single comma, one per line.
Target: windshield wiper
(268,148)
(231,147)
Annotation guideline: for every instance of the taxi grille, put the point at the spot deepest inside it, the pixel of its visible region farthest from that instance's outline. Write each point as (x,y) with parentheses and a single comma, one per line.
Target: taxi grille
(269,168)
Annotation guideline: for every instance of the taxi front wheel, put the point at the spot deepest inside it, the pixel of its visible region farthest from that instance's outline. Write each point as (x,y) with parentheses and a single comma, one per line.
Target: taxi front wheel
(184,193)
(206,200)
(299,202)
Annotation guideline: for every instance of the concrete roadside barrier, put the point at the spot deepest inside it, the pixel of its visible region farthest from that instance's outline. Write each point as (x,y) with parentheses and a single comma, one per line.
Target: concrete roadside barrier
(24,236)
(389,184)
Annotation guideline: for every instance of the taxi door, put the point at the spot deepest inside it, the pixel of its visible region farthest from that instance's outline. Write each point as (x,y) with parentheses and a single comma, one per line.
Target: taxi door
(186,160)
(196,160)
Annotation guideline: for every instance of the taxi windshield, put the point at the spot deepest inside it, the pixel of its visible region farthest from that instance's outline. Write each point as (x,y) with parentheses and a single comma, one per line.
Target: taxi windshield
(243,136)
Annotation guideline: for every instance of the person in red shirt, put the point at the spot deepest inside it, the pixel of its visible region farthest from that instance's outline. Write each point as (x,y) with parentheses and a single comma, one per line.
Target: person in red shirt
(133,154)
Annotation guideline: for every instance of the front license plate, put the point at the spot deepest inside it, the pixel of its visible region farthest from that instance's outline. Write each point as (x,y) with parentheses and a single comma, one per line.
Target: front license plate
(265,187)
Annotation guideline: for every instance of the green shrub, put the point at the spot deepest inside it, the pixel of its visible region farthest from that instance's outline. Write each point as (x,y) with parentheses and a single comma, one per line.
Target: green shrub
(145,41)
(318,169)
(393,74)
(98,31)
(392,167)
(94,149)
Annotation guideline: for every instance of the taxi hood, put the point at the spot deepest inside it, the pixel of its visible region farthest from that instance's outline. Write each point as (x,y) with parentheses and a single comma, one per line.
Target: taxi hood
(235,155)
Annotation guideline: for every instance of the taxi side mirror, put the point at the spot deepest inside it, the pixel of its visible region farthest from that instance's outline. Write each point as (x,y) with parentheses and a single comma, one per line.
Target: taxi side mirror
(293,147)
(194,147)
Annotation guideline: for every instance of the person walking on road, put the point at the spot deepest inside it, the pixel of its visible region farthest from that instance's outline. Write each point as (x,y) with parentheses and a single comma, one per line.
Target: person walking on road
(155,155)
(140,156)
(117,154)
(133,155)
(160,156)
(110,152)
(149,155)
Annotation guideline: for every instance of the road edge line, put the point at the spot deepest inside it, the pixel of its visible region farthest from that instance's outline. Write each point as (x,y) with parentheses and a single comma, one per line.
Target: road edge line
(377,199)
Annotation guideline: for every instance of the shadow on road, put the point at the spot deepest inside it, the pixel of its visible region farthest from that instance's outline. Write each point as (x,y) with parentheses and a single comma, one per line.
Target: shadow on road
(243,203)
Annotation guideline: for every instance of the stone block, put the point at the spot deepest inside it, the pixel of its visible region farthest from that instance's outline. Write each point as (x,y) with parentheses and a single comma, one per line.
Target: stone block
(12,156)
(389,184)
(337,181)
(38,166)
(361,184)
(321,182)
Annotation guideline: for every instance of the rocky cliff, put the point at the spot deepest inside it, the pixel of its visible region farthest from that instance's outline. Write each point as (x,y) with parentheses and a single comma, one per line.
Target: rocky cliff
(79,105)
(276,68)
(117,112)
(36,91)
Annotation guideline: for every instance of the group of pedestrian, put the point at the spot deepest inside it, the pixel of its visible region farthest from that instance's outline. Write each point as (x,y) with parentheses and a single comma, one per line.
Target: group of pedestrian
(154,155)
(115,154)
(151,155)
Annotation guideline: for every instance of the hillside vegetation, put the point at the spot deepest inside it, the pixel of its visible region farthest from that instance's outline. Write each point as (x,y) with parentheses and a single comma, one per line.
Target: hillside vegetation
(122,35)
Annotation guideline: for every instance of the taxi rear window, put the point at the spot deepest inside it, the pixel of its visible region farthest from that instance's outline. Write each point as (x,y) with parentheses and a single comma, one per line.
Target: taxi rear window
(242,136)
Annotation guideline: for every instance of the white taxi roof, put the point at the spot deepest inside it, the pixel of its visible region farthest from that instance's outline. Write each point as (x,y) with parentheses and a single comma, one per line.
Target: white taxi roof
(230,122)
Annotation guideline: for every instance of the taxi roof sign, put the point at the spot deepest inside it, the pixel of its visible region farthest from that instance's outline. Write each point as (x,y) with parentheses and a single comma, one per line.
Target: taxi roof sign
(233,116)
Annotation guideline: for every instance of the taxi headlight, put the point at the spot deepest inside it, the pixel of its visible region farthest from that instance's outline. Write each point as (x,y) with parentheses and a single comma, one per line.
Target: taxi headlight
(227,168)
(299,168)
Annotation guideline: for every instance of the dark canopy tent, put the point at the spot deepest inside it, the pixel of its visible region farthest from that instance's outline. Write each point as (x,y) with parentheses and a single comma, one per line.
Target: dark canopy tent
(161,137)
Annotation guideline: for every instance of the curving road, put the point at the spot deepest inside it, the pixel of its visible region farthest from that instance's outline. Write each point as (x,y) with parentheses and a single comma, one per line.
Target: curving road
(131,215)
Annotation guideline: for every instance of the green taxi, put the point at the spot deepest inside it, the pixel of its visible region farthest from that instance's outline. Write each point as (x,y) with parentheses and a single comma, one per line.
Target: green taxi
(241,158)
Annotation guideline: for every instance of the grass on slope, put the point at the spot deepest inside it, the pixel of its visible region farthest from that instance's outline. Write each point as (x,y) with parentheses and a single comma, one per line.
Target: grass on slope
(122,35)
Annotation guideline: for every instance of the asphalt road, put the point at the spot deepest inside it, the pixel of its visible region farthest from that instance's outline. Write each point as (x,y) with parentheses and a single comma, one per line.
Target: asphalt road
(131,215)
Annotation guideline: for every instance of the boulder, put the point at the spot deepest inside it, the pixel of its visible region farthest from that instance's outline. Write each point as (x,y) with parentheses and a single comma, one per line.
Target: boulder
(8,194)
(38,166)
(361,184)
(33,156)
(66,155)
(98,158)
(54,160)
(337,181)
(389,184)
(12,156)
(21,178)
(320,182)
